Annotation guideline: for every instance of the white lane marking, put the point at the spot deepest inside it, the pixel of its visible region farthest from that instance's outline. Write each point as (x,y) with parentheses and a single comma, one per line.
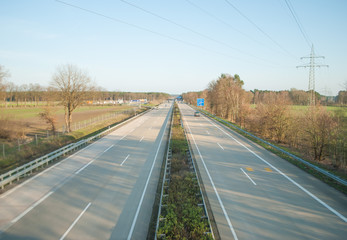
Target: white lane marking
(208,132)
(284,175)
(132,130)
(76,220)
(82,168)
(39,174)
(57,164)
(144,191)
(220,146)
(125,159)
(31,208)
(214,187)
(248,176)
(142,138)
(109,148)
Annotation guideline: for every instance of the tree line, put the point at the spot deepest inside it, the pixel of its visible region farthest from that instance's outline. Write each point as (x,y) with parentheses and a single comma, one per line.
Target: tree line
(34,94)
(315,132)
(70,86)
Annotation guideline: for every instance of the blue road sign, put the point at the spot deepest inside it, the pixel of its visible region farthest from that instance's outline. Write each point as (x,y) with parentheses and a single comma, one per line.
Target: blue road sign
(200,102)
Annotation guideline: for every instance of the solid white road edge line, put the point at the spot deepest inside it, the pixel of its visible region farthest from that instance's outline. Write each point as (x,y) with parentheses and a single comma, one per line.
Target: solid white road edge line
(220,146)
(125,159)
(248,176)
(284,175)
(76,220)
(144,190)
(31,208)
(214,187)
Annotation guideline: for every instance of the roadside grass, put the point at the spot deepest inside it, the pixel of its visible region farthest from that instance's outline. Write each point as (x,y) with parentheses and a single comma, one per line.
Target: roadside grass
(33,150)
(302,166)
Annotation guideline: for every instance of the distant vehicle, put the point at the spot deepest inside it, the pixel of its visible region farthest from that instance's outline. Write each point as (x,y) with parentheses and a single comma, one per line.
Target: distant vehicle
(197,114)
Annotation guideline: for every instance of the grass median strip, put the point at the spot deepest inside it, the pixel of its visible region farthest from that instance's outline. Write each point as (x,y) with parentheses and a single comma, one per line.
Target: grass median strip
(183,216)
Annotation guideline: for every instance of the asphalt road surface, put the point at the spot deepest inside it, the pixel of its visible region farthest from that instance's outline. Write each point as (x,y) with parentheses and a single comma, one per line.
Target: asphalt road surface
(256,195)
(104,191)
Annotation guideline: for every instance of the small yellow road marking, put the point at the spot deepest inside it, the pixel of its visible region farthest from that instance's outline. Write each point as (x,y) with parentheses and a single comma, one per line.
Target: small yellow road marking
(268,169)
(249,169)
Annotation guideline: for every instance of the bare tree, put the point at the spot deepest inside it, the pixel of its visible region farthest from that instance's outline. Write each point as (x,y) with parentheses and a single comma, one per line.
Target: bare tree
(318,126)
(73,85)
(4,74)
(225,96)
(48,116)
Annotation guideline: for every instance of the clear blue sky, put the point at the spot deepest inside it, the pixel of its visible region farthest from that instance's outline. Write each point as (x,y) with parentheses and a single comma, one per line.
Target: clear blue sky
(181,54)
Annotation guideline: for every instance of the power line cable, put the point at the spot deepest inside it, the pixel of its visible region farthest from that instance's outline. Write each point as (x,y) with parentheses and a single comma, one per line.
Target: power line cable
(160,34)
(191,30)
(226,24)
(145,29)
(298,23)
(256,26)
(221,21)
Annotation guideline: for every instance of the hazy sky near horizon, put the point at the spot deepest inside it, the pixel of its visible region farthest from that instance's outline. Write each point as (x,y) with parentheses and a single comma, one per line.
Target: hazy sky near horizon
(175,46)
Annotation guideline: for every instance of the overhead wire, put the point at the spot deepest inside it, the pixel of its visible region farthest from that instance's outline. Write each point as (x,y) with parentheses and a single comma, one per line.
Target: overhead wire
(298,23)
(144,29)
(259,28)
(191,30)
(159,34)
(225,23)
(221,21)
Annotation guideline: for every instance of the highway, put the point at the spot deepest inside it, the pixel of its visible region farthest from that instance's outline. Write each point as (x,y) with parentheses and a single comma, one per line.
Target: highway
(254,194)
(104,191)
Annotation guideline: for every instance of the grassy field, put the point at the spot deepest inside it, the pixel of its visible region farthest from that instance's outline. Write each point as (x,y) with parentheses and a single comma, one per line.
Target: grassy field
(30,120)
(329,108)
(27,113)
(15,156)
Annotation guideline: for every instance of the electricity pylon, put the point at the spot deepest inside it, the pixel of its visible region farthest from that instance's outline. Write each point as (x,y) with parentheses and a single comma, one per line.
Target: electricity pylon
(312,65)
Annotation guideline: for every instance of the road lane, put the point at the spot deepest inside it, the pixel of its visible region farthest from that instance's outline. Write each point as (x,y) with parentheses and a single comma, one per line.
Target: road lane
(274,208)
(102,180)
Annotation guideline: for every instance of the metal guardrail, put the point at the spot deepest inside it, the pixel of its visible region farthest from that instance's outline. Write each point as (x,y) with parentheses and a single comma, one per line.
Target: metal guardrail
(28,168)
(318,169)
(167,162)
